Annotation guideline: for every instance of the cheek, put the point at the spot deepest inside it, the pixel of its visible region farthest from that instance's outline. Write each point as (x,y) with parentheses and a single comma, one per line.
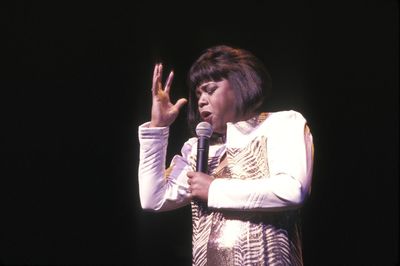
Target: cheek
(223,106)
(226,112)
(230,113)
(230,107)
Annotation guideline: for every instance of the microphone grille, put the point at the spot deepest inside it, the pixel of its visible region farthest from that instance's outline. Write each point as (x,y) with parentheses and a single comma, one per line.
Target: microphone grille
(204,129)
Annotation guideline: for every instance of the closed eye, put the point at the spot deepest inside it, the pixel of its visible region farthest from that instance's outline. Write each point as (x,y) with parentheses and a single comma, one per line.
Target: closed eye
(211,89)
(208,88)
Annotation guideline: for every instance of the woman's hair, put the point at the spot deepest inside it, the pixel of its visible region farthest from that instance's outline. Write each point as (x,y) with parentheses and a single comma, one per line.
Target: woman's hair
(245,73)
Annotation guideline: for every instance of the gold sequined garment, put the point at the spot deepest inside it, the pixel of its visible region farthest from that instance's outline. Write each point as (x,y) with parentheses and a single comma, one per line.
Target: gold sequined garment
(243,237)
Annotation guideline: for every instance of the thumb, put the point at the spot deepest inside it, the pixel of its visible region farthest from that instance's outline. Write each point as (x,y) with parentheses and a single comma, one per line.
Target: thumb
(181,102)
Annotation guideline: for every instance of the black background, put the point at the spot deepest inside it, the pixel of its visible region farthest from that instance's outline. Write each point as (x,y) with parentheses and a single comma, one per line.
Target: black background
(75,85)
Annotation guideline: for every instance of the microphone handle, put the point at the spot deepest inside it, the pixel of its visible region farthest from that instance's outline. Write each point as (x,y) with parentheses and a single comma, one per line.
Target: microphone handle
(202,155)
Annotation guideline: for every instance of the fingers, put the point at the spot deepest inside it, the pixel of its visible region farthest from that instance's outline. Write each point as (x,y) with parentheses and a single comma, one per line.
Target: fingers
(190,174)
(156,79)
(189,189)
(181,102)
(169,81)
(153,85)
(160,70)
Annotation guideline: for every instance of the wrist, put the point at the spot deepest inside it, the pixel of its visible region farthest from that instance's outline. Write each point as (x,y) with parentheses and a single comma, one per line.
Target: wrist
(156,124)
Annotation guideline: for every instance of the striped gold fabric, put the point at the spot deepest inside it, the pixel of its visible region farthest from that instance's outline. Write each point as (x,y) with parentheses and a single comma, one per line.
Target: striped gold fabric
(227,237)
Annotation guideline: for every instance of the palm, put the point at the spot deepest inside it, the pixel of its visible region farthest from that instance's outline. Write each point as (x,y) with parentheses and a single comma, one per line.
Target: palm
(163,112)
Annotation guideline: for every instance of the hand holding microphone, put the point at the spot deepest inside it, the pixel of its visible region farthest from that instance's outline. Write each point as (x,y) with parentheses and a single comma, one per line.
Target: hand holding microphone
(199,181)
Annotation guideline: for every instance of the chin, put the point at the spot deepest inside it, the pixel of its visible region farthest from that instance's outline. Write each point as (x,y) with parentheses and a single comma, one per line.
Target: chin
(219,130)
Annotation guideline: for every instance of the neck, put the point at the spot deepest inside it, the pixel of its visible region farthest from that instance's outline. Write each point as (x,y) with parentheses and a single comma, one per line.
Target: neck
(245,117)
(218,138)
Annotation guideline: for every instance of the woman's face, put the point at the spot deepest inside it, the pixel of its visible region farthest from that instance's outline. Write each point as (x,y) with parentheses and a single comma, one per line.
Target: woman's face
(217,104)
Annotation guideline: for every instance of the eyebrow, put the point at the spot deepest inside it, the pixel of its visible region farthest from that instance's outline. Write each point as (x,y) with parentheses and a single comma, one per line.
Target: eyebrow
(206,85)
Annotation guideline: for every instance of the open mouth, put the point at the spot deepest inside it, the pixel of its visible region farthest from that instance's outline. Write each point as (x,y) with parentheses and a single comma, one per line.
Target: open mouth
(205,115)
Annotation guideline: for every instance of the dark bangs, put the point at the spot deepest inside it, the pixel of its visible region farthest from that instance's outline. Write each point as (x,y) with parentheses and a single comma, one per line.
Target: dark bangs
(204,72)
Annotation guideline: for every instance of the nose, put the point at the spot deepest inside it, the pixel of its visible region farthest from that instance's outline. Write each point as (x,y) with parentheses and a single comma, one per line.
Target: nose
(203,100)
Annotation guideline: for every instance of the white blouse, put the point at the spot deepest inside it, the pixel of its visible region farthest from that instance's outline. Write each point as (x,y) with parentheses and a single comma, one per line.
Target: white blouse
(290,162)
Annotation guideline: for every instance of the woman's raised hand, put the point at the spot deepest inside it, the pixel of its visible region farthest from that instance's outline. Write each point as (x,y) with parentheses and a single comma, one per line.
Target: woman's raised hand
(163,112)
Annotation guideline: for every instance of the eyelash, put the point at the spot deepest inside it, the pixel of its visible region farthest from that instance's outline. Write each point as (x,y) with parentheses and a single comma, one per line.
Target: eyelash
(208,91)
(211,90)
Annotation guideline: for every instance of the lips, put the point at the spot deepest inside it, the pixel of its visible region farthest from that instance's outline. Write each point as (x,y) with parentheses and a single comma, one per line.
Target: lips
(206,116)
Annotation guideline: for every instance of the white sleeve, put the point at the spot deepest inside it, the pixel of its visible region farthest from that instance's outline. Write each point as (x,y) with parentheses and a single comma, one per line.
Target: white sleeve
(161,189)
(290,162)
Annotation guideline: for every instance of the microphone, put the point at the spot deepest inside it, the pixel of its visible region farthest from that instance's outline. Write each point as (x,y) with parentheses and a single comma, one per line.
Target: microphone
(204,132)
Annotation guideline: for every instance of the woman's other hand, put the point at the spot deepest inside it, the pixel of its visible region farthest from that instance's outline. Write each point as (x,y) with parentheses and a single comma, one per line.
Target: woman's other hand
(163,112)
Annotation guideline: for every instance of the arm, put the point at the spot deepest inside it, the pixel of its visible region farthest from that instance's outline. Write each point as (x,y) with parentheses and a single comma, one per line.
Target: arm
(290,161)
(161,189)
(158,190)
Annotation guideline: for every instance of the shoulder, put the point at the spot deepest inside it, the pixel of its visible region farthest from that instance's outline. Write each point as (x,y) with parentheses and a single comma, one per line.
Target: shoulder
(286,116)
(283,121)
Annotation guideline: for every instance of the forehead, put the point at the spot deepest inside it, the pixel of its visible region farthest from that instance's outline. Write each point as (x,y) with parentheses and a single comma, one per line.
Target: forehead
(206,84)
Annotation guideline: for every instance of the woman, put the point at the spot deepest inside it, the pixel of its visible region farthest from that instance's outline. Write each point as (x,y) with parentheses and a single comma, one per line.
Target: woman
(245,209)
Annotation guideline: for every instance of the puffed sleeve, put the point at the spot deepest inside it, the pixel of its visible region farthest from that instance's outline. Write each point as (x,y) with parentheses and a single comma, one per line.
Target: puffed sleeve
(290,161)
(161,189)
